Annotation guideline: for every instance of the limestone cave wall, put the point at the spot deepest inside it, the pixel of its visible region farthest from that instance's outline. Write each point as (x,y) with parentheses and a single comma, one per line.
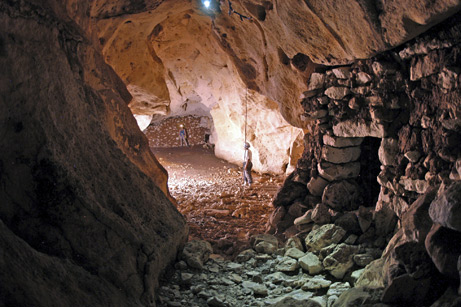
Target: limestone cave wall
(85,216)
(408,101)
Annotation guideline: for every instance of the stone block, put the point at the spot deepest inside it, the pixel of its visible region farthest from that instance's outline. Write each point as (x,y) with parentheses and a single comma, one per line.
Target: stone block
(446,207)
(340,261)
(342,72)
(388,151)
(418,186)
(340,155)
(316,185)
(320,214)
(311,263)
(340,142)
(333,172)
(316,81)
(324,236)
(353,128)
(305,219)
(342,195)
(363,78)
(424,66)
(444,247)
(337,92)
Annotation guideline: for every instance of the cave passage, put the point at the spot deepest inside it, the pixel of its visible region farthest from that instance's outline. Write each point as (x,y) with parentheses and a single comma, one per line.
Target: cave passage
(209,191)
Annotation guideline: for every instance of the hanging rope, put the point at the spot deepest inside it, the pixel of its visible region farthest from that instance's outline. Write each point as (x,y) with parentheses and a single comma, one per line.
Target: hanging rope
(246,114)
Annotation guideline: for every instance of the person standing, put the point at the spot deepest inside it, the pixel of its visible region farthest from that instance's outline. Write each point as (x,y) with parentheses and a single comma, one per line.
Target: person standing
(247,165)
(183,136)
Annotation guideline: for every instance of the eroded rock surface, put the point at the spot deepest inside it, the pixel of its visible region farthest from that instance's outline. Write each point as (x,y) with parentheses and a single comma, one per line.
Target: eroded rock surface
(84,218)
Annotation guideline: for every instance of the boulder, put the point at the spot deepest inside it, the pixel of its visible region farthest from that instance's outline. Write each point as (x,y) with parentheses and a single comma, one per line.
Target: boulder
(196,253)
(362,260)
(324,236)
(446,207)
(342,195)
(289,192)
(311,263)
(297,209)
(444,247)
(340,260)
(332,172)
(294,242)
(340,155)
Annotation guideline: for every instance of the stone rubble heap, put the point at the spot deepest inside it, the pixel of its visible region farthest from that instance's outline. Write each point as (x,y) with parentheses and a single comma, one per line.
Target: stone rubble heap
(311,273)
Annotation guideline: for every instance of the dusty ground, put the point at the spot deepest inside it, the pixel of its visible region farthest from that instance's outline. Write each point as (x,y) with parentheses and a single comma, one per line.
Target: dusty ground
(210,193)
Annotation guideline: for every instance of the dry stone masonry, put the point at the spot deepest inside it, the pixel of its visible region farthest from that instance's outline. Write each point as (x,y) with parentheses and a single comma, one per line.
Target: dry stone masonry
(384,135)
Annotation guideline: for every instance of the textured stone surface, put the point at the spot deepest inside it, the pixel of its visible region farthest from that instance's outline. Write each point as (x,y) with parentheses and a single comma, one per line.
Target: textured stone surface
(446,207)
(444,247)
(324,236)
(340,260)
(341,141)
(196,253)
(388,151)
(316,185)
(333,172)
(311,263)
(83,198)
(359,129)
(340,155)
(342,195)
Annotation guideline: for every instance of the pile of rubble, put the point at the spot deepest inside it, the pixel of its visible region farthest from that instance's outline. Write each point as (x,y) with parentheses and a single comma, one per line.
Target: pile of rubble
(310,272)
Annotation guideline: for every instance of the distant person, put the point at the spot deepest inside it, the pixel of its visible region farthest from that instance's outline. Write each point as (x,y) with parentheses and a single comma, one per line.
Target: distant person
(247,165)
(183,136)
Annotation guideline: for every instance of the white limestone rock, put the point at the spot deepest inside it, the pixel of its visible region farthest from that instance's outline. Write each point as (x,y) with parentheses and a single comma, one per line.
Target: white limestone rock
(305,219)
(311,263)
(352,128)
(334,141)
(333,172)
(340,155)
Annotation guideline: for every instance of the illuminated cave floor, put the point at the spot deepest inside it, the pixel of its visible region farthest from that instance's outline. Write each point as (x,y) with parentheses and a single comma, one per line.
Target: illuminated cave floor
(211,195)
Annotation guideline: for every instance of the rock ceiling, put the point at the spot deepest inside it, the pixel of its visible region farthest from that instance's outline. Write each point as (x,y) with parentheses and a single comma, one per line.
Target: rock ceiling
(178,58)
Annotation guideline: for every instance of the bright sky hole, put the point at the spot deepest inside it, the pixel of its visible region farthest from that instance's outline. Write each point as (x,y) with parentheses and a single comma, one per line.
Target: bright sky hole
(207,3)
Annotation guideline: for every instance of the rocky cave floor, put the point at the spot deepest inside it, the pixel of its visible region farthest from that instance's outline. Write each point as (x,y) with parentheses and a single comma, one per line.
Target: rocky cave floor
(211,195)
(228,261)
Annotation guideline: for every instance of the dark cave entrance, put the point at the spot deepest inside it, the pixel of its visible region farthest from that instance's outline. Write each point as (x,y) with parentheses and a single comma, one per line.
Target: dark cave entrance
(370,166)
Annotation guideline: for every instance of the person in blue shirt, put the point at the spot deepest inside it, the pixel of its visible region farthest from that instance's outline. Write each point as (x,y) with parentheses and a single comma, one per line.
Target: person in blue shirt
(183,136)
